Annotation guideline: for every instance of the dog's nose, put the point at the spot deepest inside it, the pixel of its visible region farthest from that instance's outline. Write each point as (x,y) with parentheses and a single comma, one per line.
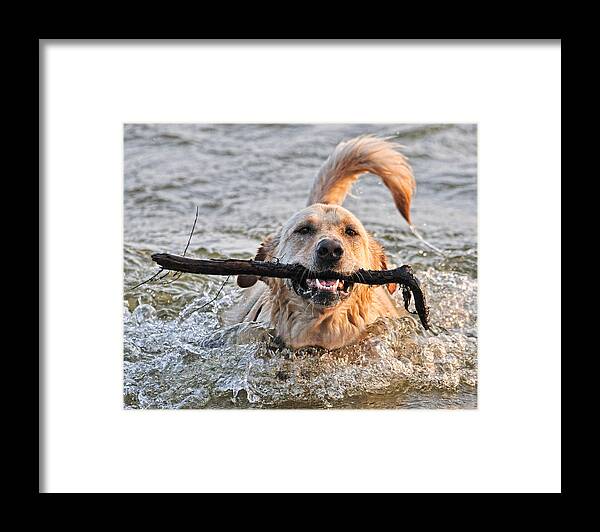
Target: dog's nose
(329,250)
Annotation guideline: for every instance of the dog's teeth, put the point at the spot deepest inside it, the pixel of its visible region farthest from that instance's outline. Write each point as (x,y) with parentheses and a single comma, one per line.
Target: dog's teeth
(327,285)
(318,284)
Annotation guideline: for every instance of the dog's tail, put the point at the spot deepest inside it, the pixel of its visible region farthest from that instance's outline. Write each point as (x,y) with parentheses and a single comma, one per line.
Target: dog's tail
(360,155)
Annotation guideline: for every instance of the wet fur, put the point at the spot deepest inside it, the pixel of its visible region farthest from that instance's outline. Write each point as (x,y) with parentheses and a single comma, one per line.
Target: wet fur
(297,321)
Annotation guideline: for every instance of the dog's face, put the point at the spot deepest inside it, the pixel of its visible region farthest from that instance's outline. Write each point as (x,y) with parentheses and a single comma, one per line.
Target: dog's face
(327,237)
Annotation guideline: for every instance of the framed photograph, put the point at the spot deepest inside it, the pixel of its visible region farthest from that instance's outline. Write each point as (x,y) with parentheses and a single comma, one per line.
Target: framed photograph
(302,263)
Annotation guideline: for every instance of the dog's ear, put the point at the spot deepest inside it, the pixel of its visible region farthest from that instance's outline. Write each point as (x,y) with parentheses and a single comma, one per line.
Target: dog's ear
(383,261)
(379,261)
(265,252)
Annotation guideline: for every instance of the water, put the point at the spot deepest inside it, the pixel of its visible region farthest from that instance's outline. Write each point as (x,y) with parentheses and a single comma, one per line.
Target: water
(246,180)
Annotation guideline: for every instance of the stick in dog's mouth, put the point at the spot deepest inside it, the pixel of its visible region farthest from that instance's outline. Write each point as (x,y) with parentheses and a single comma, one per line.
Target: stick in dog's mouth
(298,274)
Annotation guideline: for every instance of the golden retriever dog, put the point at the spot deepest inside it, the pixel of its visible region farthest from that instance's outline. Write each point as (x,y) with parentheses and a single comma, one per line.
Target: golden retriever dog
(326,236)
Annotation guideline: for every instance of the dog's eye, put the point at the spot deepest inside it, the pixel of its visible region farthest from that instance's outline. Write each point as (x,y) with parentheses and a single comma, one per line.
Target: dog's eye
(304,230)
(350,231)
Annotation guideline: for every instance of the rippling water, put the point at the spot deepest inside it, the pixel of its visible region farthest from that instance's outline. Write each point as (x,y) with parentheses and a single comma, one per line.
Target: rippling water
(246,180)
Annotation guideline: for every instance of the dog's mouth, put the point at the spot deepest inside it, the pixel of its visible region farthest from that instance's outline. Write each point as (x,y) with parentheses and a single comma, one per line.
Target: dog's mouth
(324,293)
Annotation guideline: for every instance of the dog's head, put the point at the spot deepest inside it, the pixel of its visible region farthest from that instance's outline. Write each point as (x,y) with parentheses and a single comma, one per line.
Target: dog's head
(324,237)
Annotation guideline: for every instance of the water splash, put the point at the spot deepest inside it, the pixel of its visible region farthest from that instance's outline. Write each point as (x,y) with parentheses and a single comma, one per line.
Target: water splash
(193,361)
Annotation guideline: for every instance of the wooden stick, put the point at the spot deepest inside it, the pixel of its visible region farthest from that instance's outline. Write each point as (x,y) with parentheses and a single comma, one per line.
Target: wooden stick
(402,275)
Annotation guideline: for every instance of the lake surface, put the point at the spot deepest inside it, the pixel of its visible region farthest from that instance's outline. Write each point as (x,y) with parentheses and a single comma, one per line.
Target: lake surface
(246,180)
